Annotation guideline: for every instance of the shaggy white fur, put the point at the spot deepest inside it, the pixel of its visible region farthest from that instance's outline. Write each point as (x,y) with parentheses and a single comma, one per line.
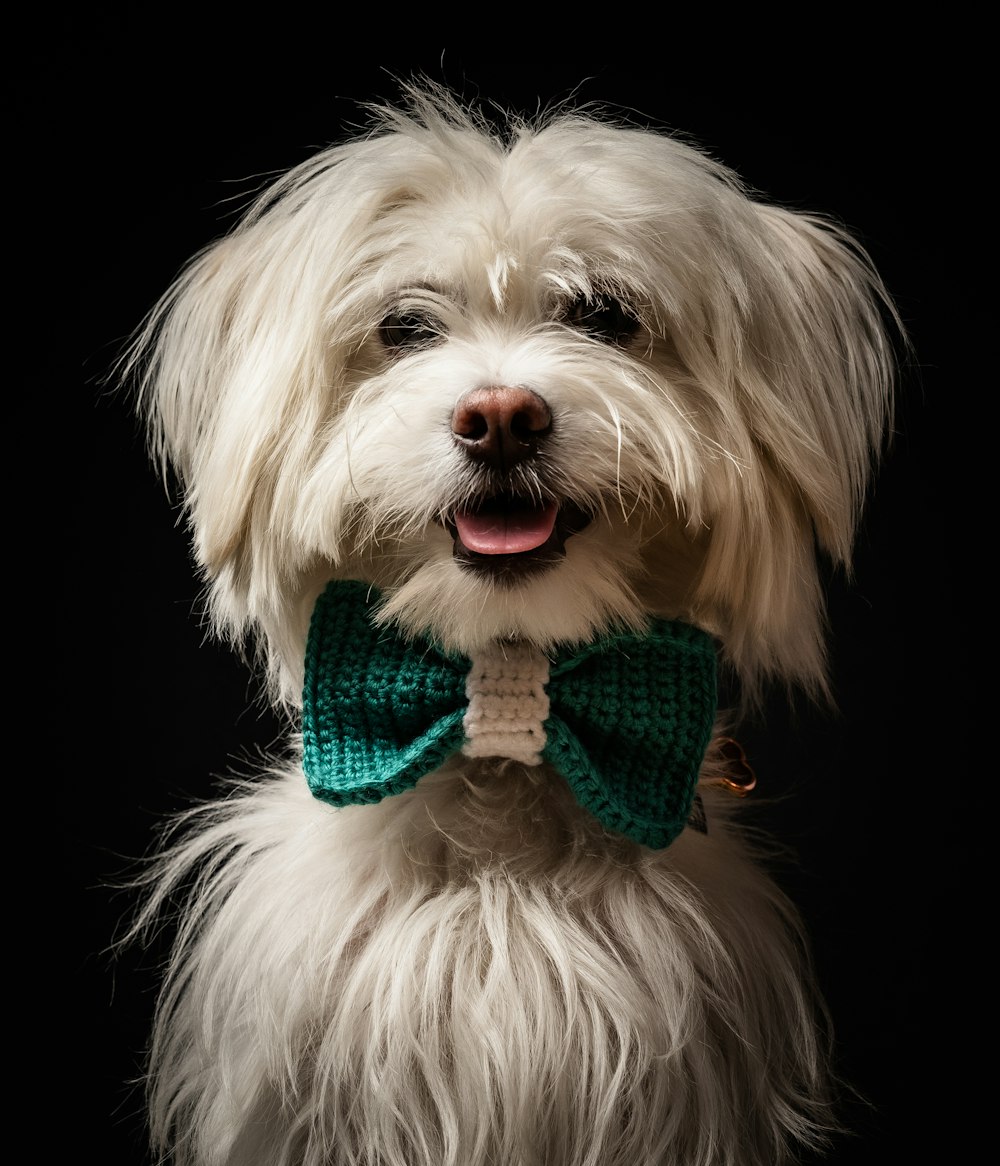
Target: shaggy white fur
(475,972)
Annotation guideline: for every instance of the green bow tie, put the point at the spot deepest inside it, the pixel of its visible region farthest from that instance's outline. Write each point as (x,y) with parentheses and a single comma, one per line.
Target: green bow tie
(626,719)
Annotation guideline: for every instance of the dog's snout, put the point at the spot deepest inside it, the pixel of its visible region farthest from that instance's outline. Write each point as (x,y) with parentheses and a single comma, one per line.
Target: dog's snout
(501,425)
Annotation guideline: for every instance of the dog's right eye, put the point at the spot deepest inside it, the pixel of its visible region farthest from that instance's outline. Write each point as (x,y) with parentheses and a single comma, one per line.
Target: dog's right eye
(602,316)
(402,330)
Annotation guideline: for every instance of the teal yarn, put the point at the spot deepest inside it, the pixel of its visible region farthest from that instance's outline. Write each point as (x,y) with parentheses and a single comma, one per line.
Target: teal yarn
(636,714)
(630,715)
(367,729)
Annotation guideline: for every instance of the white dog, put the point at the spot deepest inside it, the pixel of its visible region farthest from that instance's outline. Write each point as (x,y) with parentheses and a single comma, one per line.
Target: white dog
(494,444)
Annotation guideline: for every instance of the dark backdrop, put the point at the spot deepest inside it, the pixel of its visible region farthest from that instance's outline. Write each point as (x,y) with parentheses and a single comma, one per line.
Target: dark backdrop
(173,121)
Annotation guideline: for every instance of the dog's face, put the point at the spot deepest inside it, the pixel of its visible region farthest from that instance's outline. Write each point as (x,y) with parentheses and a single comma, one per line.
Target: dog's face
(530,389)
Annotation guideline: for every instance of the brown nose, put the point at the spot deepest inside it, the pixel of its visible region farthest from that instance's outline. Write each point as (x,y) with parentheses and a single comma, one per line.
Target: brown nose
(501,426)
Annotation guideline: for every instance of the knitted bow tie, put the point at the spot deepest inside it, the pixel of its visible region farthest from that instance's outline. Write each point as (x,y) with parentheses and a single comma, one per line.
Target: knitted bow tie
(625,719)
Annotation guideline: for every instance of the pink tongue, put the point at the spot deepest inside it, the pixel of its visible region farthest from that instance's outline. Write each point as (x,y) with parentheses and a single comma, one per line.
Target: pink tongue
(510,533)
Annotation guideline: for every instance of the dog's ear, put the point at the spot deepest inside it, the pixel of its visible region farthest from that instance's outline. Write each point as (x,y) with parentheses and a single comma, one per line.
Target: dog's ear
(223,383)
(241,364)
(810,368)
(821,357)
(194,343)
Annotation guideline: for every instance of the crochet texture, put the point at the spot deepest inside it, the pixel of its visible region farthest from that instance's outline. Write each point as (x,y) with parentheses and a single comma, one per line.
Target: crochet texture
(626,719)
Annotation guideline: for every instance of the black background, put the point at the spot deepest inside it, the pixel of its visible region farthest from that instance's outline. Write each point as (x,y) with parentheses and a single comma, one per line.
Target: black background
(174,124)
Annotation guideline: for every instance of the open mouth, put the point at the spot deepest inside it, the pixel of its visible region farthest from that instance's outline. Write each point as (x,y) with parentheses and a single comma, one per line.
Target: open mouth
(509,537)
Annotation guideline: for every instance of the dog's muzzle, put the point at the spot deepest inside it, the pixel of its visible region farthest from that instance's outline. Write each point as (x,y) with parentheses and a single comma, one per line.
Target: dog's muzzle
(513,530)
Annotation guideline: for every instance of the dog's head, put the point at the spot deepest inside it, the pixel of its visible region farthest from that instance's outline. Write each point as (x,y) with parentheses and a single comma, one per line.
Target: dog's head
(530,384)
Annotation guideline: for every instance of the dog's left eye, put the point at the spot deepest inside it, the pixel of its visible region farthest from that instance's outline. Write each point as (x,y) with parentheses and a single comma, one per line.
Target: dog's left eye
(603,317)
(401,330)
